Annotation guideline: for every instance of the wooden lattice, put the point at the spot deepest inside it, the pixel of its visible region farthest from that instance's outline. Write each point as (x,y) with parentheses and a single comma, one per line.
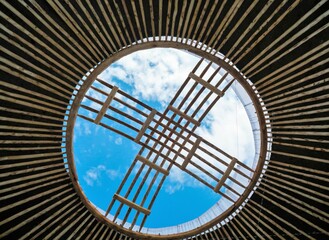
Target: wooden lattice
(168,139)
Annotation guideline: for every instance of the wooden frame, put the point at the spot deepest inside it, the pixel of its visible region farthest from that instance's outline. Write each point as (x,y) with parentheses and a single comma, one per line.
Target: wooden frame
(92,77)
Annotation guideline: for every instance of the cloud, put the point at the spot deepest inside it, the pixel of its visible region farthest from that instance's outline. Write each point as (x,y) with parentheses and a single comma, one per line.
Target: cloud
(228,127)
(154,75)
(77,128)
(112,174)
(118,141)
(92,175)
(86,128)
(178,180)
(95,175)
(172,188)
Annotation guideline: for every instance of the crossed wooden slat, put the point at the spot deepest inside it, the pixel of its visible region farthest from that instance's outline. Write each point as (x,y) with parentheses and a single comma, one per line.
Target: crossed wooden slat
(168,139)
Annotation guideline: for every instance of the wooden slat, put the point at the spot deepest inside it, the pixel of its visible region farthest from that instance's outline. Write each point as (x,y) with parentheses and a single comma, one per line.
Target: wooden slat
(239,55)
(32,100)
(245,230)
(206,84)
(48,160)
(124,116)
(135,40)
(31,122)
(207,110)
(60,33)
(227,235)
(83,19)
(51,79)
(75,27)
(185,116)
(32,169)
(296,76)
(96,235)
(132,204)
(289,211)
(60,200)
(192,23)
(26,113)
(298,109)
(250,27)
(106,104)
(237,24)
(191,153)
(225,22)
(301,168)
(106,233)
(199,21)
(105,39)
(302,205)
(300,189)
(68,59)
(145,125)
(16,70)
(302,174)
(275,220)
(30,208)
(256,68)
(137,20)
(160,18)
(51,219)
(180,21)
(206,23)
(55,66)
(91,221)
(293,65)
(265,224)
(168,19)
(27,183)
(151,11)
(143,18)
(213,22)
(147,173)
(187,20)
(29,156)
(152,165)
(77,232)
(39,95)
(228,225)
(66,225)
(226,174)
(29,134)
(173,19)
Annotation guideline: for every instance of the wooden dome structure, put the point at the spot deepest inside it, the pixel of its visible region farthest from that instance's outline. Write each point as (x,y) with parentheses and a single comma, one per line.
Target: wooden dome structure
(49,47)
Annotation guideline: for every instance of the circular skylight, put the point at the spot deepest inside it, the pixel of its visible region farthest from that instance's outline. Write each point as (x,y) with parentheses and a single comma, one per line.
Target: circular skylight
(165,142)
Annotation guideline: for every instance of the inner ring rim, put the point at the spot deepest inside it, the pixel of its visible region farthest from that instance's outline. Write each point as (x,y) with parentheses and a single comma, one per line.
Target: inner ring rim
(201,53)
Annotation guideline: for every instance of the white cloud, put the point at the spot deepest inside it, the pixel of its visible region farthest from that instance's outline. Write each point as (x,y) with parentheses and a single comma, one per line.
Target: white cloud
(228,127)
(86,127)
(172,188)
(112,174)
(92,175)
(95,175)
(155,75)
(77,127)
(178,179)
(118,141)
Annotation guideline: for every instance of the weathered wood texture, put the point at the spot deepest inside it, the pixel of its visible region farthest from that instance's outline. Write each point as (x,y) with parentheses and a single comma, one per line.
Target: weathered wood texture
(48,46)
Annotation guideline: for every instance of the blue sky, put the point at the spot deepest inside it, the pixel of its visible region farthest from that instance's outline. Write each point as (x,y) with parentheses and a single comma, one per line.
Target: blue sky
(102,157)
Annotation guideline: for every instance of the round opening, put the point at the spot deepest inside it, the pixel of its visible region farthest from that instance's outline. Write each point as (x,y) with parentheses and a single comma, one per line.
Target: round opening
(165,142)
